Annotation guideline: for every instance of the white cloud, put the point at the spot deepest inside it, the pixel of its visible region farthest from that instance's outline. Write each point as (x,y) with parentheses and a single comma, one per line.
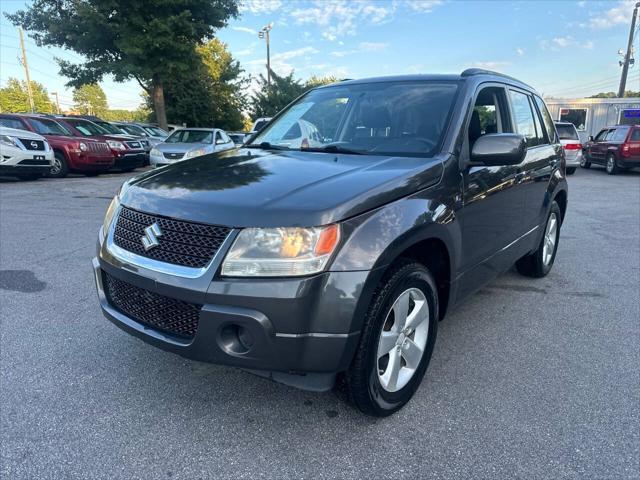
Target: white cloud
(520,52)
(362,47)
(260,6)
(563,42)
(245,30)
(493,65)
(618,15)
(588,45)
(338,18)
(300,52)
(582,3)
(423,6)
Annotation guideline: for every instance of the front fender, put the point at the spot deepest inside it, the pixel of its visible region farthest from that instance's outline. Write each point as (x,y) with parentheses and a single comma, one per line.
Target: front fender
(377,238)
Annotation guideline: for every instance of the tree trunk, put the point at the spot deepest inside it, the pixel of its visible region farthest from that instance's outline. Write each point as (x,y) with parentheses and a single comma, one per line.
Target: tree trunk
(158,102)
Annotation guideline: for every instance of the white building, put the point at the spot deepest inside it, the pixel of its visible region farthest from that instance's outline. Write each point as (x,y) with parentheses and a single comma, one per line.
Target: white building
(590,115)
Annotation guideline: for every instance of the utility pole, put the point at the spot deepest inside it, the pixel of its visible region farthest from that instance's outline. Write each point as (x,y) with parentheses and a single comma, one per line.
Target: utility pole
(264,33)
(57,102)
(26,71)
(627,57)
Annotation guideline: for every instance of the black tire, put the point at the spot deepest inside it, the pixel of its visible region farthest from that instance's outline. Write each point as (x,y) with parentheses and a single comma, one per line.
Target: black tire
(91,174)
(571,170)
(584,162)
(611,165)
(362,380)
(60,169)
(533,264)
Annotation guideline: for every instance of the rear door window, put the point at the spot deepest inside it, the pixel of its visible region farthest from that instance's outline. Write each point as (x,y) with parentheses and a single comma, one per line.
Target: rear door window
(546,118)
(635,135)
(525,122)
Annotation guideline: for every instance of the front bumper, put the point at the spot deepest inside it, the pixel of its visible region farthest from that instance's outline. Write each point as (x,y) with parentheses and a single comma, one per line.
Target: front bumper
(130,160)
(297,325)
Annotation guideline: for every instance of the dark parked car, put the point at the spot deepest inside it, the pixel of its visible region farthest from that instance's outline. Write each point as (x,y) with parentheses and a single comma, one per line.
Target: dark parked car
(616,147)
(310,262)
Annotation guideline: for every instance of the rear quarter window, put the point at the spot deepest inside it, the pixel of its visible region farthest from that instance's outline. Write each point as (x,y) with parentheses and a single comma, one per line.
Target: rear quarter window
(635,135)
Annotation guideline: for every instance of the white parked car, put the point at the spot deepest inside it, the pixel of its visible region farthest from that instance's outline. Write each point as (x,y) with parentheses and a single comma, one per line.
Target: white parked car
(258,125)
(300,134)
(185,143)
(24,154)
(571,145)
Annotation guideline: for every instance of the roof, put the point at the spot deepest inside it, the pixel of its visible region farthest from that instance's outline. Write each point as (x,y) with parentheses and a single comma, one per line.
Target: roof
(465,75)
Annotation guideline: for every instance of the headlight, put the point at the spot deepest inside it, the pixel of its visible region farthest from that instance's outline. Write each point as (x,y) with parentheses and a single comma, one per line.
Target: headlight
(115,144)
(8,141)
(281,252)
(47,147)
(111,211)
(155,152)
(83,147)
(196,153)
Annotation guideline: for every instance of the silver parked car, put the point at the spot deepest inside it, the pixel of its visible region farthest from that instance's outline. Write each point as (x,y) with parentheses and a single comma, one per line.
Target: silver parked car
(571,144)
(187,143)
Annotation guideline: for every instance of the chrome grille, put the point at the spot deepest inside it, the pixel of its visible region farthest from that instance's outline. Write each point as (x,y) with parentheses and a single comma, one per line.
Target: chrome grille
(32,144)
(166,314)
(173,155)
(134,145)
(99,147)
(182,243)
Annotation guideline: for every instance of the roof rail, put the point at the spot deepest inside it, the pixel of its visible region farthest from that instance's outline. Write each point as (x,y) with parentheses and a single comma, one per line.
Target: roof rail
(469,72)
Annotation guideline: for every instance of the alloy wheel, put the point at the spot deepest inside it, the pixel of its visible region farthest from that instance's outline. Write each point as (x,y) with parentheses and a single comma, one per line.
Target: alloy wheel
(550,237)
(611,164)
(56,168)
(403,340)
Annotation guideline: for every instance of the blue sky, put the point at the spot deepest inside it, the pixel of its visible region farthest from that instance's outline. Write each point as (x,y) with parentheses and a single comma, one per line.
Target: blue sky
(563,48)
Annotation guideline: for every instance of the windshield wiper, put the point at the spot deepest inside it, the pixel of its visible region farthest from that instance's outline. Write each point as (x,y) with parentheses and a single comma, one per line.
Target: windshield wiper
(333,149)
(267,146)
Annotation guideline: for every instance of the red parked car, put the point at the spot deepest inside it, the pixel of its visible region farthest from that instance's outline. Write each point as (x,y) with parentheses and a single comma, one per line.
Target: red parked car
(71,154)
(616,147)
(128,154)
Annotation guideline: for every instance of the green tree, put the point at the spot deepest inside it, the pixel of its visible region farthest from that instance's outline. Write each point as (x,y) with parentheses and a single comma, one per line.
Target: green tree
(90,99)
(211,95)
(271,98)
(15,98)
(152,41)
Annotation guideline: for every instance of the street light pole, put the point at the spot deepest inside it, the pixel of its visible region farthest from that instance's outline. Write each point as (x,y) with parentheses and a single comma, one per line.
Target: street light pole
(627,57)
(264,33)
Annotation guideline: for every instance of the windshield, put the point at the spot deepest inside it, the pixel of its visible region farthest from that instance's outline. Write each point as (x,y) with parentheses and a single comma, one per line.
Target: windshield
(133,130)
(190,136)
(87,128)
(156,132)
(567,132)
(109,128)
(48,127)
(399,118)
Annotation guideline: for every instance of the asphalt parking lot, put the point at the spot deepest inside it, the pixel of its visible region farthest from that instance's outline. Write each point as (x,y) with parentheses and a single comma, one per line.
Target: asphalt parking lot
(529,378)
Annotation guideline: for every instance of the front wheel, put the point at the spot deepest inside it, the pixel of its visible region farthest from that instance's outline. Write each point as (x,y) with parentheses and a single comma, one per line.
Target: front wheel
(538,264)
(397,340)
(612,167)
(584,163)
(59,169)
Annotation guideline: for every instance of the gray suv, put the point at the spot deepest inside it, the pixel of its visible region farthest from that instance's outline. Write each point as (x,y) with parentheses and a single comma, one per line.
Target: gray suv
(338,257)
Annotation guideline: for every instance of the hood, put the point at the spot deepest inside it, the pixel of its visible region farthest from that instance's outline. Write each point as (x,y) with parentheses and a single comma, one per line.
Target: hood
(243,188)
(15,132)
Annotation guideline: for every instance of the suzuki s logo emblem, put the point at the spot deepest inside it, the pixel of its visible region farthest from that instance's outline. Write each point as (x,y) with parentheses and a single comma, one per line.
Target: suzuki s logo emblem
(34,144)
(150,238)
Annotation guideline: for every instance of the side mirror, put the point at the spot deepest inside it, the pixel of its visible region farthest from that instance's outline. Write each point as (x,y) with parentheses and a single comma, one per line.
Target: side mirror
(499,149)
(590,138)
